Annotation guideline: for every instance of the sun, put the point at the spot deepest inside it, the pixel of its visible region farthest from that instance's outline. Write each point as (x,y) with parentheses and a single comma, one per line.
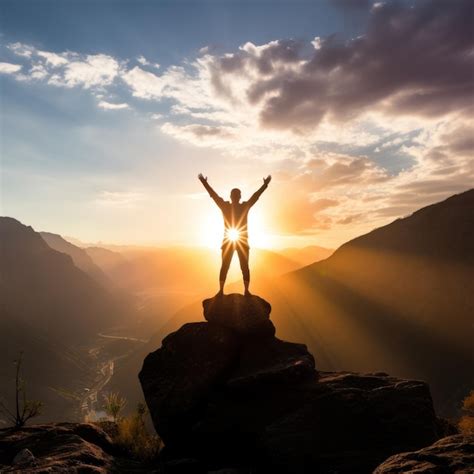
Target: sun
(211,229)
(233,234)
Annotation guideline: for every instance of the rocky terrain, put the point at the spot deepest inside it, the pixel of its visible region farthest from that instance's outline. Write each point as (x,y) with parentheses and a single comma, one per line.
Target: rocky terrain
(226,396)
(228,393)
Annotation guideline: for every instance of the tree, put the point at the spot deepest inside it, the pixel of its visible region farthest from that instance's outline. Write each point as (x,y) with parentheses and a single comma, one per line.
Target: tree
(24,409)
(114,404)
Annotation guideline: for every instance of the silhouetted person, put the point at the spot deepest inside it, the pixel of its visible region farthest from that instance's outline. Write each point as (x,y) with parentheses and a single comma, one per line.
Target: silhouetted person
(235,229)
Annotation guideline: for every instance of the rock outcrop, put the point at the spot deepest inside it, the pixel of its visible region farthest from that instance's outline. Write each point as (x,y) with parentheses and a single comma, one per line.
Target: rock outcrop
(62,447)
(65,448)
(247,315)
(229,394)
(453,454)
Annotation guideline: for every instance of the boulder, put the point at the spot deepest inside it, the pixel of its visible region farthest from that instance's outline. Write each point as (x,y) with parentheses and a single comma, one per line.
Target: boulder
(261,403)
(348,422)
(228,400)
(451,454)
(177,378)
(247,315)
(24,457)
(56,448)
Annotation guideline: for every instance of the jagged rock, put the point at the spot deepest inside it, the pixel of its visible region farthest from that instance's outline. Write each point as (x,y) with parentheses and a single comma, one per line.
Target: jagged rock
(177,378)
(454,454)
(24,457)
(248,315)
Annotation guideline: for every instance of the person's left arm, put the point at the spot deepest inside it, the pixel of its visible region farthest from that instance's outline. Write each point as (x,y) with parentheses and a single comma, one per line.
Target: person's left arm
(259,191)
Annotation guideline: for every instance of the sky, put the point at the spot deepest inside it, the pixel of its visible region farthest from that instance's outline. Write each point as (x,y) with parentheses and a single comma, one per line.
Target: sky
(361,111)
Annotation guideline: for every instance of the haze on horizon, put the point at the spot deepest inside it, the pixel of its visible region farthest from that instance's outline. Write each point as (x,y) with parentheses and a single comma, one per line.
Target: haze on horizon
(361,111)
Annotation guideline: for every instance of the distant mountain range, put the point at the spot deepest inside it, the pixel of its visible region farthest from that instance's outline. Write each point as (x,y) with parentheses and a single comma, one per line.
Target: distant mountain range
(45,289)
(398,299)
(49,308)
(80,257)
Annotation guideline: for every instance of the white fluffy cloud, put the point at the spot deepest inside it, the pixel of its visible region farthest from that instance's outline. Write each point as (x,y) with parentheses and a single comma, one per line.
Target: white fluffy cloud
(8,68)
(103,104)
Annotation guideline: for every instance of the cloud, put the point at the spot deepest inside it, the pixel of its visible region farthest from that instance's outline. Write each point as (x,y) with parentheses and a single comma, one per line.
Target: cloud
(21,49)
(8,68)
(144,84)
(144,62)
(111,106)
(411,60)
(68,69)
(201,135)
(331,117)
(94,70)
(55,60)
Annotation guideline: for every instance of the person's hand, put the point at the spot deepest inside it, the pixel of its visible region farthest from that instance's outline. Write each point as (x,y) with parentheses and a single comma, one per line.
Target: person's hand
(267,180)
(202,178)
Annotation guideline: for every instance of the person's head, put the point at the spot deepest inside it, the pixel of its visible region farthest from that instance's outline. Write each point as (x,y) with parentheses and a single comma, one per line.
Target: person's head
(235,195)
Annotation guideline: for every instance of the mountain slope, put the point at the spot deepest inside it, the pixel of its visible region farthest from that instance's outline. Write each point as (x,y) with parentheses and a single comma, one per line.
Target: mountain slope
(79,256)
(43,287)
(306,255)
(397,299)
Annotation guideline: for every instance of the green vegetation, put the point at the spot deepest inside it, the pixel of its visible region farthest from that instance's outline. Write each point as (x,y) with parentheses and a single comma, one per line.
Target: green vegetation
(466,423)
(113,405)
(24,409)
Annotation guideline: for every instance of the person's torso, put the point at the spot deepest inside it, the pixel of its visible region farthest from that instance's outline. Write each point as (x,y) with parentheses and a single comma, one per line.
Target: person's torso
(235,217)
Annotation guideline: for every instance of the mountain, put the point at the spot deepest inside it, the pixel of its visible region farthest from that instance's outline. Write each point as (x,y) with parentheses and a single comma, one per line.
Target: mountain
(306,255)
(43,288)
(108,260)
(51,310)
(80,257)
(398,299)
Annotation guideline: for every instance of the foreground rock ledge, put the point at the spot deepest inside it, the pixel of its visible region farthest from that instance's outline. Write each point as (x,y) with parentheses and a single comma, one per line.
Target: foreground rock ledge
(450,454)
(60,447)
(227,399)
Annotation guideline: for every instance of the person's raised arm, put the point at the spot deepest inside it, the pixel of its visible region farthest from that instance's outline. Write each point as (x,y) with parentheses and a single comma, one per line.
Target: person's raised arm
(218,200)
(259,191)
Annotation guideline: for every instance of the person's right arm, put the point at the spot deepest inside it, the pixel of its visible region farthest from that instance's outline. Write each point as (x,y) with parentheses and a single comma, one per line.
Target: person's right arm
(217,199)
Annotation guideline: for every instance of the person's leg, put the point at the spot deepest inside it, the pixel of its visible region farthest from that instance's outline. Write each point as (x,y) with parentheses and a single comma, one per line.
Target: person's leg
(243,253)
(227,251)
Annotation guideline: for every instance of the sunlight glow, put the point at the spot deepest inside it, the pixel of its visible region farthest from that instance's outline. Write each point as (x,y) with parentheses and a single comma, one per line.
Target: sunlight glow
(233,235)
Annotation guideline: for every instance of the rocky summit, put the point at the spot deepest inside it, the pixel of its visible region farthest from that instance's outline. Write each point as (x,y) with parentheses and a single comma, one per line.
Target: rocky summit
(227,393)
(247,315)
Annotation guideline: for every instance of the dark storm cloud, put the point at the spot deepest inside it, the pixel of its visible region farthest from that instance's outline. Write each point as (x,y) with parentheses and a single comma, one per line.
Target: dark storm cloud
(413,59)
